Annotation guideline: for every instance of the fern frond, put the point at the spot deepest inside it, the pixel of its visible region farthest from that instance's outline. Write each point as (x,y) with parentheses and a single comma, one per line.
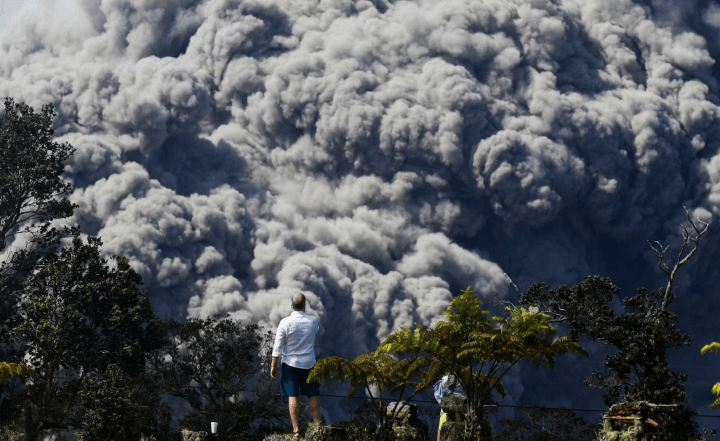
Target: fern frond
(328,369)
(491,381)
(713,347)
(715,404)
(716,389)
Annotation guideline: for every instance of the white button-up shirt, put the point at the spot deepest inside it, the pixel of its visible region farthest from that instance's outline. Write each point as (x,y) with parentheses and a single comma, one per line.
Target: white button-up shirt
(295,340)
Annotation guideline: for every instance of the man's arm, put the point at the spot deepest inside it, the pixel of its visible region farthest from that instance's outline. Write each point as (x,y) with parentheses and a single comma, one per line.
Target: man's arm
(273,367)
(277,349)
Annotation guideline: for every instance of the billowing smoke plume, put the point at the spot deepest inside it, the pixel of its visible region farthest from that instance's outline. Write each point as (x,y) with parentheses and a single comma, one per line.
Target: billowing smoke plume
(379,155)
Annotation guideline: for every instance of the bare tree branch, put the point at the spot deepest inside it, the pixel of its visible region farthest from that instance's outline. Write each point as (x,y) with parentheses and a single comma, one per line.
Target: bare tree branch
(512,283)
(498,301)
(689,238)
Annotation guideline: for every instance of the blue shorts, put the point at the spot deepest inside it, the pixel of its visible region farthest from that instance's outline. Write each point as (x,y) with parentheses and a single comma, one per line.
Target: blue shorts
(293,382)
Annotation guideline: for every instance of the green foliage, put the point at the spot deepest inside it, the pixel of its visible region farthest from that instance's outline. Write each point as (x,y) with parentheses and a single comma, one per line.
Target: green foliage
(81,313)
(713,347)
(381,370)
(371,369)
(214,363)
(642,335)
(109,408)
(32,195)
(15,370)
(32,165)
(480,350)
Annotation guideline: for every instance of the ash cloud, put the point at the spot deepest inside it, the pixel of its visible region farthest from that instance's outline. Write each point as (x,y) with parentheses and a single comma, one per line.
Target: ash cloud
(378,155)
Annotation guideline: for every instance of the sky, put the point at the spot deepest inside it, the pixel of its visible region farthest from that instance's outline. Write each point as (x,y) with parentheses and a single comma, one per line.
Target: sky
(9,9)
(380,156)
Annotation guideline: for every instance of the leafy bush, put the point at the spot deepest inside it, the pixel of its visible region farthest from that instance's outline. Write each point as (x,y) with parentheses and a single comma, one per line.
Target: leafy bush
(108,408)
(219,365)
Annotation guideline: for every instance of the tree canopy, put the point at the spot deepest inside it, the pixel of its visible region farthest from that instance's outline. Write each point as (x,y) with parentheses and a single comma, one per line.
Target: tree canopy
(480,350)
(92,344)
(109,408)
(80,314)
(218,364)
(32,195)
(642,332)
(32,165)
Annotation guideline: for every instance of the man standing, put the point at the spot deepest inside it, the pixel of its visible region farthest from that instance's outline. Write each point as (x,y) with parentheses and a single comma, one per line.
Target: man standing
(295,341)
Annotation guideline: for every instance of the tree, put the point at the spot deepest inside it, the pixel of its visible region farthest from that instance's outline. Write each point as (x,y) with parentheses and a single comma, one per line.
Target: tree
(642,335)
(109,408)
(32,165)
(384,372)
(219,366)
(480,350)
(13,272)
(638,370)
(691,234)
(713,347)
(81,313)
(32,194)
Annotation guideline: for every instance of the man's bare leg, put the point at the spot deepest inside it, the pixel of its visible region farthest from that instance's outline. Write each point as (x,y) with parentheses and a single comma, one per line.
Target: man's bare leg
(315,407)
(294,406)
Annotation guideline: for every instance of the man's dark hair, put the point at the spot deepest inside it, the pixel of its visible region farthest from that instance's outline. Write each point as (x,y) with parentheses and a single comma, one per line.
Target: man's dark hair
(298,302)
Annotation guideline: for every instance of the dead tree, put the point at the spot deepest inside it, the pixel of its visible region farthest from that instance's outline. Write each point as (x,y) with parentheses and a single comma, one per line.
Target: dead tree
(691,236)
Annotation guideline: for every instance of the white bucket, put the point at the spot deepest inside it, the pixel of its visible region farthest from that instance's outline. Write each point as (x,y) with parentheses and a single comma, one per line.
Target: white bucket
(213,427)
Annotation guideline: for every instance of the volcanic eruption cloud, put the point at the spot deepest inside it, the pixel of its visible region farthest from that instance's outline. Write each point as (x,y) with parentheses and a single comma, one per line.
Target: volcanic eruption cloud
(380,156)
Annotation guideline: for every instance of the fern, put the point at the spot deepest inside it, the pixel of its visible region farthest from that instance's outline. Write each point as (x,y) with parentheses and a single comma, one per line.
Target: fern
(713,347)
(478,349)
(406,378)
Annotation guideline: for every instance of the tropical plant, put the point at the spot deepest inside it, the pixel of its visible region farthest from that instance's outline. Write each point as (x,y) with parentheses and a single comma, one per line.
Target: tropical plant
(713,347)
(480,350)
(385,373)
